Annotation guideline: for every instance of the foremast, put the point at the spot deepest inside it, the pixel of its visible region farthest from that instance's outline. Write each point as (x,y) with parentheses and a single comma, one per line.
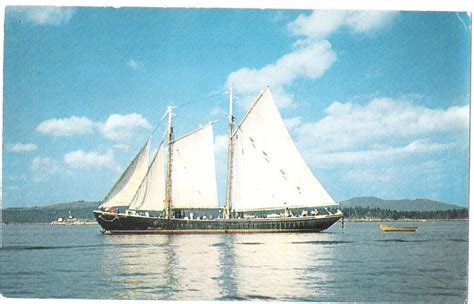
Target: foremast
(230,156)
(168,202)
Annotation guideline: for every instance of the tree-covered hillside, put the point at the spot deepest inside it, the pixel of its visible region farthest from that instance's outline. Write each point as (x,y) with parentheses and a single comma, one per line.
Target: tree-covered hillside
(80,210)
(365,213)
(398,205)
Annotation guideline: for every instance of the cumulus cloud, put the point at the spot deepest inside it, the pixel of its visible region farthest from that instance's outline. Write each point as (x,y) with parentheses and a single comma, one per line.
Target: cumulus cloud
(120,147)
(21,148)
(311,57)
(382,129)
(135,64)
(218,111)
(116,128)
(66,127)
(292,122)
(43,15)
(81,159)
(220,145)
(325,159)
(320,24)
(40,162)
(122,127)
(310,62)
(351,126)
(368,174)
(43,168)
(423,177)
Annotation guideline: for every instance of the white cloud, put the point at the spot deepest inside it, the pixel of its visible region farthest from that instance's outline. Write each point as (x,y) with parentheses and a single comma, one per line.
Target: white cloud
(43,15)
(116,128)
(385,154)
(365,21)
(220,145)
(351,126)
(81,159)
(322,23)
(43,168)
(319,24)
(218,111)
(428,170)
(122,127)
(120,147)
(20,148)
(310,62)
(423,177)
(40,162)
(311,57)
(66,127)
(367,176)
(135,64)
(292,122)
(386,147)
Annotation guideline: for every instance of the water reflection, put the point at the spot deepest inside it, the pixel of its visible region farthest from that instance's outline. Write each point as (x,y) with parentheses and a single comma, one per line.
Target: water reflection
(197,267)
(138,266)
(273,266)
(225,267)
(360,264)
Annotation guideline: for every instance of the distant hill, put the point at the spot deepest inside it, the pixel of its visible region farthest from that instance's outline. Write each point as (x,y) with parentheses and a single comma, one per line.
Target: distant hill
(398,205)
(75,205)
(47,214)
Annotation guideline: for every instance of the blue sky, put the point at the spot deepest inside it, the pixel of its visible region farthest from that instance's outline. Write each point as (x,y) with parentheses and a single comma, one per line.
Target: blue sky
(377,102)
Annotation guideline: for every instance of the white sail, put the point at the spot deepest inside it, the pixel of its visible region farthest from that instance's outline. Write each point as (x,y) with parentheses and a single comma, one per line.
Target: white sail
(125,188)
(193,170)
(151,193)
(268,170)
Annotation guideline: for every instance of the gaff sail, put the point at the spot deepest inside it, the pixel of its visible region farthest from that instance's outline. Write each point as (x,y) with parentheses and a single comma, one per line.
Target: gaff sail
(193,170)
(268,170)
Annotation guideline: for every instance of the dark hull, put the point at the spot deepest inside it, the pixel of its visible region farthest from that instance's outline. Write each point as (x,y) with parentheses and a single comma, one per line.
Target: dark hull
(132,224)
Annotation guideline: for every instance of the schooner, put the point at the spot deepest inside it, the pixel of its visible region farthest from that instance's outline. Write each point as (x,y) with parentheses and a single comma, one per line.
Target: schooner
(267,180)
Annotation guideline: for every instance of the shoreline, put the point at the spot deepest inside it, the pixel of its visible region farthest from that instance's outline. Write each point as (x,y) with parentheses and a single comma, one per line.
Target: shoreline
(78,222)
(346,220)
(400,220)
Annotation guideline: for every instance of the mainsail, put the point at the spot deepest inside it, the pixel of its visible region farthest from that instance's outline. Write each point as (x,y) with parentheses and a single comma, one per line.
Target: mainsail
(268,170)
(193,170)
(151,193)
(125,188)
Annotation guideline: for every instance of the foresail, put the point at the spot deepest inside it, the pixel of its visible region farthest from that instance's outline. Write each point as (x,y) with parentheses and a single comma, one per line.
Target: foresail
(125,188)
(151,193)
(268,170)
(193,170)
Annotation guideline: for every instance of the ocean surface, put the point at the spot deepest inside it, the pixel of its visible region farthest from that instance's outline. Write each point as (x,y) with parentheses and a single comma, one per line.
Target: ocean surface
(357,263)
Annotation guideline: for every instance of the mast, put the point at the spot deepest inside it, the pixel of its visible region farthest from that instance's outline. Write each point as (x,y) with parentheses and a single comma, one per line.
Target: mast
(230,156)
(170,158)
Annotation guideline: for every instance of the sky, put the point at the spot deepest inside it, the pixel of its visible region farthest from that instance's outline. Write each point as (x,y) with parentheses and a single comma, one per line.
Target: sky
(377,102)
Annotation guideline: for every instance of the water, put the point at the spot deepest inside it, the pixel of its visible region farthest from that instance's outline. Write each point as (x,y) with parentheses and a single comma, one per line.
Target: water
(357,263)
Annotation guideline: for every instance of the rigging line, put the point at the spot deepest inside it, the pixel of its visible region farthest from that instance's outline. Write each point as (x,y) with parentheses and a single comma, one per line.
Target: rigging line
(163,136)
(202,99)
(157,127)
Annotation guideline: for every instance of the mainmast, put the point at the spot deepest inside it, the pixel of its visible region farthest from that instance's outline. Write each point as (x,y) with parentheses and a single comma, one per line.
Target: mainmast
(170,158)
(230,156)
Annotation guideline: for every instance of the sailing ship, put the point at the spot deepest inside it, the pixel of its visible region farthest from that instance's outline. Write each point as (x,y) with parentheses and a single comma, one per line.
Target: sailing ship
(269,187)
